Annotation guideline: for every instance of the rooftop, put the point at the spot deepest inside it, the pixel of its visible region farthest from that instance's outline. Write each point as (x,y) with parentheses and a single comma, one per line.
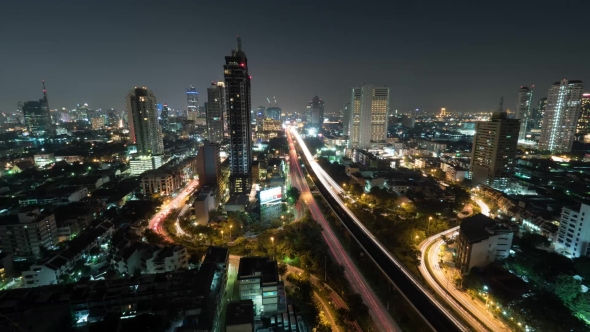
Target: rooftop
(479,227)
(239,313)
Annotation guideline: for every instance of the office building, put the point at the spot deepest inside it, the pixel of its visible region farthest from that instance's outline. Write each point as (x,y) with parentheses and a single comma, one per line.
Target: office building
(494,150)
(258,280)
(98,123)
(240,316)
(481,241)
(368,116)
(140,164)
(209,163)
(164,117)
(541,112)
(192,100)
(346,119)
(237,87)
(27,234)
(583,126)
(273,113)
(145,130)
(564,101)
(37,116)
(315,108)
(573,236)
(216,112)
(523,109)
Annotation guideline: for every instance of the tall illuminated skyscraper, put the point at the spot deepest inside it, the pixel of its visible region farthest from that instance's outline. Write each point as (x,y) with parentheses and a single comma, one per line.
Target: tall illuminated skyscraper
(540,112)
(315,115)
(192,99)
(368,116)
(216,111)
(37,116)
(523,109)
(494,150)
(564,101)
(237,92)
(583,127)
(145,131)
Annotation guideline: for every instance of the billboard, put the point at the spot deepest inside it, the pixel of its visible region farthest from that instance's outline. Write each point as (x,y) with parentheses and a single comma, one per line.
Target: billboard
(270,195)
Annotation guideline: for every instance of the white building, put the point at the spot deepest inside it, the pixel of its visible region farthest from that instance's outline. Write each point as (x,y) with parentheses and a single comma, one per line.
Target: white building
(26,234)
(42,160)
(481,241)
(573,235)
(564,101)
(523,110)
(141,164)
(368,118)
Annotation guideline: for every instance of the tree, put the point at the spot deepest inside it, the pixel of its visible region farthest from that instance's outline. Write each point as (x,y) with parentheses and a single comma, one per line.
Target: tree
(293,195)
(533,240)
(567,289)
(582,266)
(282,268)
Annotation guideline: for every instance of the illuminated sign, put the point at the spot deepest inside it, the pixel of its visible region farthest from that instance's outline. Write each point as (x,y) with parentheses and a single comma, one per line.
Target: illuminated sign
(270,195)
(192,92)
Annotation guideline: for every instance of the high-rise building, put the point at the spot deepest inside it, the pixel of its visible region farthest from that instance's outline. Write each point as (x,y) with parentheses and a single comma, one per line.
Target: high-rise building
(145,130)
(315,110)
(494,150)
(583,126)
(564,101)
(368,116)
(37,116)
(523,109)
(346,118)
(573,237)
(209,164)
(216,106)
(237,87)
(540,112)
(274,113)
(192,99)
(164,117)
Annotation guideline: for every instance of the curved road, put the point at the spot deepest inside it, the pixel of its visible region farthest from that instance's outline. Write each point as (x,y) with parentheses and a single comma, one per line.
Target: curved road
(179,201)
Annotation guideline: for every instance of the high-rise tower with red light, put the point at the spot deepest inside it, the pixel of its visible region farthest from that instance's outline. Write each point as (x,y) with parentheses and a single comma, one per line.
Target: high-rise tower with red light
(237,98)
(37,116)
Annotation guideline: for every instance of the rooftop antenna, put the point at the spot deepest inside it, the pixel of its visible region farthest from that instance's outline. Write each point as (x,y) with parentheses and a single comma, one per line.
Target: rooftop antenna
(44,91)
(239,43)
(275,98)
(268,100)
(501,103)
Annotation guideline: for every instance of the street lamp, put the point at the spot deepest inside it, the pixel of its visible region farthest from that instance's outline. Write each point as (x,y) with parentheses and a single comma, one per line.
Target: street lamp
(230,227)
(428,229)
(272,239)
(221,236)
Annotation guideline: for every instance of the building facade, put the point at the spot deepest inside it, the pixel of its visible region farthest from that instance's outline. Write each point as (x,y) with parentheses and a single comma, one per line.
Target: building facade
(209,163)
(237,87)
(481,241)
(494,150)
(573,236)
(145,130)
(216,112)
(564,101)
(583,126)
(523,110)
(315,115)
(26,234)
(192,100)
(368,116)
(37,116)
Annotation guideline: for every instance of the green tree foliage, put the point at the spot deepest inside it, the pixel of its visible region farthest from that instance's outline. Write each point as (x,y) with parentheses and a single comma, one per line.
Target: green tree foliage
(293,195)
(313,144)
(153,237)
(530,241)
(582,266)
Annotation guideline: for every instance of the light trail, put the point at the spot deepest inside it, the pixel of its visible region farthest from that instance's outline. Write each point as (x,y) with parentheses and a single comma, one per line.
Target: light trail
(157,220)
(459,300)
(334,192)
(380,317)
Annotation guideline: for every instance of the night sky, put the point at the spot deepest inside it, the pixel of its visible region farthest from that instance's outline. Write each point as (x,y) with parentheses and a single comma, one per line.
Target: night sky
(432,54)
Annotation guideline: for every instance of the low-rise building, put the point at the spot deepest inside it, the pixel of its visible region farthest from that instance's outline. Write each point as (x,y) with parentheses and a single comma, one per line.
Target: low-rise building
(258,280)
(157,182)
(54,195)
(203,203)
(240,316)
(144,258)
(456,174)
(26,234)
(42,160)
(481,241)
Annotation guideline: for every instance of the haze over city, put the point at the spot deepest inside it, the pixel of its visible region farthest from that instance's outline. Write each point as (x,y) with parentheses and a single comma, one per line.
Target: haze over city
(432,54)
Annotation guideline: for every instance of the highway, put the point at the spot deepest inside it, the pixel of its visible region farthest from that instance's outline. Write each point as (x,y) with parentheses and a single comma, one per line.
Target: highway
(380,317)
(425,304)
(179,201)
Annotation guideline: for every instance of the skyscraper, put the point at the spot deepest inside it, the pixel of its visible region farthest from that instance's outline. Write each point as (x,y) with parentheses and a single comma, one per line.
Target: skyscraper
(37,116)
(564,101)
(583,126)
(316,112)
(540,112)
(368,116)
(237,91)
(145,130)
(164,117)
(209,164)
(216,111)
(274,113)
(494,150)
(192,99)
(523,109)
(346,118)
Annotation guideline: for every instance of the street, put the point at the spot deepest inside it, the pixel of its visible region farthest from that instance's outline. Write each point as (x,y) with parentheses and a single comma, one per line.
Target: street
(179,201)
(381,318)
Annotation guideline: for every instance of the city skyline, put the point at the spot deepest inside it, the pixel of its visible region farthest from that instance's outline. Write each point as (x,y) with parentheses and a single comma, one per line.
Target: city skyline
(428,66)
